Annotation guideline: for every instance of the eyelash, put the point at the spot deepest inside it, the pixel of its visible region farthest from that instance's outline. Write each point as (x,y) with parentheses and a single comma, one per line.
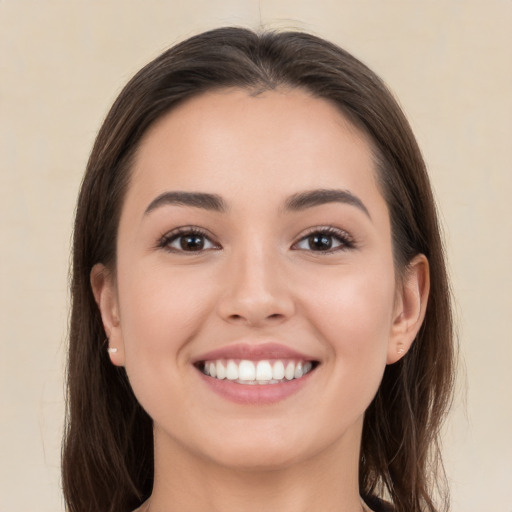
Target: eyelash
(346,241)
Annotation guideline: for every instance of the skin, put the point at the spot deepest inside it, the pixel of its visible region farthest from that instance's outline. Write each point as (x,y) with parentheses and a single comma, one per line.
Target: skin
(257,279)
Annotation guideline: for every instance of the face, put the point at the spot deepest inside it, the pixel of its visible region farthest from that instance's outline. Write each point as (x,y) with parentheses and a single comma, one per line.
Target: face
(254,244)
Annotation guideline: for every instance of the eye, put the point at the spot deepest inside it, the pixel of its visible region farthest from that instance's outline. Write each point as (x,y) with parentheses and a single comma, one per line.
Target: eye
(188,239)
(325,240)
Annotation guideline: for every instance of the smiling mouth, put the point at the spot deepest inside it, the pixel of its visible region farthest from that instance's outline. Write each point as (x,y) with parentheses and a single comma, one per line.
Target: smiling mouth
(262,372)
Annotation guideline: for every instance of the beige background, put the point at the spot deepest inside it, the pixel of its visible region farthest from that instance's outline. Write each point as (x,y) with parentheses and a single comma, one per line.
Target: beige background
(61,65)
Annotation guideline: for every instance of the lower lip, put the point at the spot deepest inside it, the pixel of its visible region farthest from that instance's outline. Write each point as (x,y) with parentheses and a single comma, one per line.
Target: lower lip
(256,394)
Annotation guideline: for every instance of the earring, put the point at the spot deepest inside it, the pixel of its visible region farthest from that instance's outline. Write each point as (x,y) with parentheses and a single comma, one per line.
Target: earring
(112,350)
(401,350)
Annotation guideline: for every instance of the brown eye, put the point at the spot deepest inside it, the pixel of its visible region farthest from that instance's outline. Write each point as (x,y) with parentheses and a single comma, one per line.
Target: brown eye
(187,240)
(192,242)
(319,242)
(325,240)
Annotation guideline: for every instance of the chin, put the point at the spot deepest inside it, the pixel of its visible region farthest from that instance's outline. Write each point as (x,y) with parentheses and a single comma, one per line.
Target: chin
(258,458)
(267,446)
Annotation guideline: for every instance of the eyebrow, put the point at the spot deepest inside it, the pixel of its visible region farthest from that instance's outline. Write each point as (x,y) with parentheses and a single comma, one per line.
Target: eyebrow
(212,202)
(310,198)
(296,202)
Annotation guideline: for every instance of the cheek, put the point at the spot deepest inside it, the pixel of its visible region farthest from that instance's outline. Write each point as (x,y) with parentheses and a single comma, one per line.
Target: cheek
(160,311)
(355,310)
(353,316)
(354,321)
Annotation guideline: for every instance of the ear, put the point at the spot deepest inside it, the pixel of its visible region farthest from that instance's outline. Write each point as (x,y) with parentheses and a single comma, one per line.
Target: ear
(105,293)
(410,307)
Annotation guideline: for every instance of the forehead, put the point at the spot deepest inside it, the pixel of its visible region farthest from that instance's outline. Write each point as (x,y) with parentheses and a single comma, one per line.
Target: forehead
(229,141)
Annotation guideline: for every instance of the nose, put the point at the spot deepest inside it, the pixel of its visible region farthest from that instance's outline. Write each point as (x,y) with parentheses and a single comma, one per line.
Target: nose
(254,290)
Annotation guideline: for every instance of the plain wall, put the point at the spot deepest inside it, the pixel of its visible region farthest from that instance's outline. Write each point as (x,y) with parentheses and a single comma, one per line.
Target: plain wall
(61,65)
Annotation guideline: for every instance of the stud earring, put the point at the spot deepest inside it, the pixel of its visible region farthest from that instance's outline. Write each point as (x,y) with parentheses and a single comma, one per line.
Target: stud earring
(401,350)
(111,350)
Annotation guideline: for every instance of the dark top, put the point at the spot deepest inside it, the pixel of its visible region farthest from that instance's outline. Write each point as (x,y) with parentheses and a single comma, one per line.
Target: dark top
(378,505)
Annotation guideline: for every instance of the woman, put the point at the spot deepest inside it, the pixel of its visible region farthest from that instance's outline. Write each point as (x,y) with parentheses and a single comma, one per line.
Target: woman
(261,315)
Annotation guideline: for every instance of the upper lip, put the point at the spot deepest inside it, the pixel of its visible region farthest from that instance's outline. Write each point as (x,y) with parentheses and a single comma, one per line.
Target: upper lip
(254,352)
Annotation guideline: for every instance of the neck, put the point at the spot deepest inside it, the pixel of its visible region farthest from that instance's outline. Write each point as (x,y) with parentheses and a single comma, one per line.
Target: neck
(185,482)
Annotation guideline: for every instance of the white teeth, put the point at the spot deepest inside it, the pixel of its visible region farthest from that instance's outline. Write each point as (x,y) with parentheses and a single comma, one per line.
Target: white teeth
(289,373)
(232,371)
(246,370)
(261,372)
(221,371)
(278,370)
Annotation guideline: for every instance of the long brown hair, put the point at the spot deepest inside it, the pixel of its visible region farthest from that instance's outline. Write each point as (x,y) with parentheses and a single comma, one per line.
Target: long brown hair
(108,444)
